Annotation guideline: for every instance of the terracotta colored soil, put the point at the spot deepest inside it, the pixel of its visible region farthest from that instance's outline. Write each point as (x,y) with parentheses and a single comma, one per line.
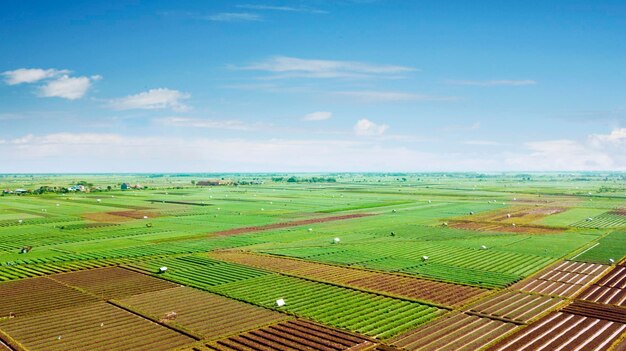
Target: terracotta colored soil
(252,229)
(619,212)
(292,335)
(96,326)
(454,332)
(610,289)
(564,331)
(562,279)
(119,216)
(113,282)
(205,314)
(29,296)
(516,306)
(505,227)
(395,285)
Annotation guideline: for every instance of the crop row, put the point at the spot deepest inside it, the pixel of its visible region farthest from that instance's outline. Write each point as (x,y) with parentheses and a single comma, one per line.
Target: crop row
(397,285)
(96,326)
(484,267)
(354,310)
(203,313)
(604,220)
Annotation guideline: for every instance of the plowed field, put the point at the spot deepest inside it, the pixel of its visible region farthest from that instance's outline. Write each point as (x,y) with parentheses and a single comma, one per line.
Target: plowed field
(563,279)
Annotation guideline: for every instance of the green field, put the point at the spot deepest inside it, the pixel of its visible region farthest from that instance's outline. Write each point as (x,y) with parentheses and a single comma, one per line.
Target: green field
(448,228)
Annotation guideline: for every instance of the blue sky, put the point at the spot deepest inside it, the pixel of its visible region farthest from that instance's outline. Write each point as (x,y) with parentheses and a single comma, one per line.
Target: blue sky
(246,86)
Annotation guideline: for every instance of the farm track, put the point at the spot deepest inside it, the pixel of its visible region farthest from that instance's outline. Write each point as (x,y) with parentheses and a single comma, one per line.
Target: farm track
(562,279)
(112,282)
(394,285)
(454,332)
(610,289)
(517,307)
(32,296)
(96,326)
(291,335)
(205,314)
(252,229)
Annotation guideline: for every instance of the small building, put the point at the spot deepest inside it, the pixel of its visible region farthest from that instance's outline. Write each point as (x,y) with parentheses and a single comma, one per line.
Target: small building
(125,186)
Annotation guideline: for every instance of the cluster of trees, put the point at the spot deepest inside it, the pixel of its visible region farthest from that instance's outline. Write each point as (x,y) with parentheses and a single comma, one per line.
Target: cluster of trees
(294,179)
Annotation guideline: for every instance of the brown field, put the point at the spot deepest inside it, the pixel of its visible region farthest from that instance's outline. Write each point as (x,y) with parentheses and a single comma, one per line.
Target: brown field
(252,229)
(95,326)
(119,216)
(454,332)
(31,296)
(202,313)
(517,307)
(610,289)
(395,285)
(576,327)
(562,279)
(504,227)
(112,282)
(291,335)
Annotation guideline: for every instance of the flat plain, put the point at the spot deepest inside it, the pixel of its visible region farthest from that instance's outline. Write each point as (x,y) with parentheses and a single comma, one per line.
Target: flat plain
(367,262)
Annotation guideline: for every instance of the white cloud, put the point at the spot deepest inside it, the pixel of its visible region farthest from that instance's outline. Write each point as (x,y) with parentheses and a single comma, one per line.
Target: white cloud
(616,137)
(234,17)
(30,75)
(207,123)
(153,99)
(365,127)
(279,8)
(67,87)
(290,67)
(390,96)
(491,83)
(481,142)
(318,116)
(596,152)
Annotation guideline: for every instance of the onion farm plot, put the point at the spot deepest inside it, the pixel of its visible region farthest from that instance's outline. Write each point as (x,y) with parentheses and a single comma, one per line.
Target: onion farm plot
(563,279)
(610,289)
(517,307)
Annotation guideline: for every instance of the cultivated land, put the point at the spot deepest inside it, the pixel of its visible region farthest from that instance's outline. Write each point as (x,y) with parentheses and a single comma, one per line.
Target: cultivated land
(361,262)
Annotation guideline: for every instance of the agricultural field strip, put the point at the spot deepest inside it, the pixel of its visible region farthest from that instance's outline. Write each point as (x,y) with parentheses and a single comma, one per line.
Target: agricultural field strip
(563,279)
(514,306)
(604,220)
(489,268)
(291,335)
(96,326)
(420,290)
(207,315)
(609,289)
(563,331)
(454,332)
(369,313)
(112,282)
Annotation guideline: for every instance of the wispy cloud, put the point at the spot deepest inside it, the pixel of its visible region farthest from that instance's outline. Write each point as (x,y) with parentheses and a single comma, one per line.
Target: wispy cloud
(293,67)
(30,75)
(58,82)
(153,99)
(390,96)
(317,116)
(492,83)
(280,8)
(481,142)
(234,17)
(365,127)
(67,87)
(207,123)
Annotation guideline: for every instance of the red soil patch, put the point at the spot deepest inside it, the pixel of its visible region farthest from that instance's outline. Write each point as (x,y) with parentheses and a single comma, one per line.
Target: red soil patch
(619,212)
(504,227)
(118,216)
(236,231)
